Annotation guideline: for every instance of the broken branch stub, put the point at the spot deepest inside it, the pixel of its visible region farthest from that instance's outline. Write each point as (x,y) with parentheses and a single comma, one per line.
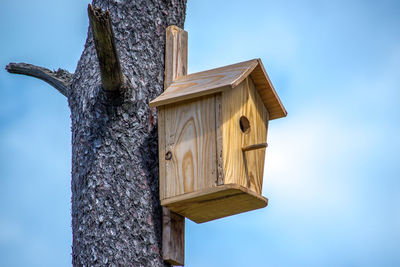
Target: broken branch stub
(103,35)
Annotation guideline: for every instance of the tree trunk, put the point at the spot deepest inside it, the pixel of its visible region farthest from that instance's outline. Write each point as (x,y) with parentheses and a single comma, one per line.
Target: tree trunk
(116,215)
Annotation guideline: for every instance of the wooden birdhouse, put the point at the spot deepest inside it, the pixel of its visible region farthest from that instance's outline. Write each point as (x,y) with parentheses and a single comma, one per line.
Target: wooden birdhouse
(213,129)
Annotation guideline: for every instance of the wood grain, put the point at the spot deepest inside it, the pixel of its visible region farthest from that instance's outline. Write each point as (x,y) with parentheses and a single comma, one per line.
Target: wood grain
(267,92)
(161,150)
(215,202)
(210,166)
(243,168)
(204,83)
(176,54)
(173,237)
(218,139)
(190,137)
(222,79)
(259,123)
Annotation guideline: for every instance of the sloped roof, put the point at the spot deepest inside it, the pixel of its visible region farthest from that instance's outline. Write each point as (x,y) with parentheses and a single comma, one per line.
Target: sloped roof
(224,78)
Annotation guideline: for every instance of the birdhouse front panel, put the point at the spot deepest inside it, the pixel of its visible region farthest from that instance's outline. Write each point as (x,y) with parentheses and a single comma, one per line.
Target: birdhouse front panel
(190,146)
(245,124)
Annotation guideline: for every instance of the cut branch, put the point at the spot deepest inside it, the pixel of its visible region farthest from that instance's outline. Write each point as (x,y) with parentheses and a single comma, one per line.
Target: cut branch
(60,79)
(103,35)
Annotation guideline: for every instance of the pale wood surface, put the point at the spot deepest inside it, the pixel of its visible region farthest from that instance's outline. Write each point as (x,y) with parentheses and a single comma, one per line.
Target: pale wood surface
(173,240)
(161,150)
(222,79)
(176,48)
(204,83)
(218,132)
(209,167)
(190,137)
(267,92)
(243,168)
(173,237)
(176,52)
(215,202)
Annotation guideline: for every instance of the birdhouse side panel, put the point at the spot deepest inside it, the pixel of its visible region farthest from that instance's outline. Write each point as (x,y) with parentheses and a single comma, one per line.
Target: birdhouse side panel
(190,146)
(259,118)
(245,122)
(233,101)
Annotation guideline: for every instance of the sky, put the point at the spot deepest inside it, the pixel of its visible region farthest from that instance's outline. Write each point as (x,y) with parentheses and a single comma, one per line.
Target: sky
(332,170)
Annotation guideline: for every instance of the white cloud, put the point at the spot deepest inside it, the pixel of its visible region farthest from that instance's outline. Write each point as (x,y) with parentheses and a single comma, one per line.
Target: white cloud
(306,152)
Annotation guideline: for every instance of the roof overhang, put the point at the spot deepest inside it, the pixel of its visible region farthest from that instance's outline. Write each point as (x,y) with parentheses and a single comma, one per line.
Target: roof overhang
(217,80)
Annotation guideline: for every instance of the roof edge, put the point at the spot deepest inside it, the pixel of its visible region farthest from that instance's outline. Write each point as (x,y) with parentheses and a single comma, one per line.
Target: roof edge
(244,75)
(278,106)
(204,83)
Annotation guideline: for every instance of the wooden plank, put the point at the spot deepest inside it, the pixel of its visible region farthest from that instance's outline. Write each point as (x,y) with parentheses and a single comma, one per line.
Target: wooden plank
(272,97)
(176,54)
(221,79)
(233,102)
(173,236)
(190,138)
(204,83)
(161,150)
(244,168)
(218,139)
(184,98)
(173,239)
(244,74)
(215,202)
(259,118)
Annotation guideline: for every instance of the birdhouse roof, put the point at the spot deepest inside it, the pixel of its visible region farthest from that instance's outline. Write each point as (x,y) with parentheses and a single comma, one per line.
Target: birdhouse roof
(224,78)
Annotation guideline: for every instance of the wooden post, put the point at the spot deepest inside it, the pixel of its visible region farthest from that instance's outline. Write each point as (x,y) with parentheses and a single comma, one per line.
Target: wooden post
(176,54)
(173,238)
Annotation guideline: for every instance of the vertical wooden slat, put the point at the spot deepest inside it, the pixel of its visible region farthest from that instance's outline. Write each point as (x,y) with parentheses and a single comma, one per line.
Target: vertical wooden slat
(176,51)
(259,120)
(161,150)
(173,237)
(218,138)
(173,242)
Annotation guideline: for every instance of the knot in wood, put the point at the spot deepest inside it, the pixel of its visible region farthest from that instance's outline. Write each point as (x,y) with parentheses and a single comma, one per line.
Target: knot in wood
(168,155)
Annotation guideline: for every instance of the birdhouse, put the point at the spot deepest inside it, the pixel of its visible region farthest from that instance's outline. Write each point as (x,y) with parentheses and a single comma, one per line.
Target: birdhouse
(213,129)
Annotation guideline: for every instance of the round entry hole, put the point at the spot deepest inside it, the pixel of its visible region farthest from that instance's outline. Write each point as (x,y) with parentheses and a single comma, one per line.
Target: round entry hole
(244,124)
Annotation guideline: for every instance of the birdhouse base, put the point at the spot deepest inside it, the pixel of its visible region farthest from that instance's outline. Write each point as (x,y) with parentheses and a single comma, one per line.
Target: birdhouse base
(215,202)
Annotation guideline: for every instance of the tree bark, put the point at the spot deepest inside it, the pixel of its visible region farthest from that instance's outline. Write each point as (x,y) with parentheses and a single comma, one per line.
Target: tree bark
(116,212)
(116,215)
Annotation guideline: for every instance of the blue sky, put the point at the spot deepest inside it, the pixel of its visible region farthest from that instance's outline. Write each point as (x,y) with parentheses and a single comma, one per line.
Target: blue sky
(332,167)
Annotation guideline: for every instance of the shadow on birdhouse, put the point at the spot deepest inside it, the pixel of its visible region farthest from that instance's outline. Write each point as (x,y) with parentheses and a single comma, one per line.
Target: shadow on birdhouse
(213,133)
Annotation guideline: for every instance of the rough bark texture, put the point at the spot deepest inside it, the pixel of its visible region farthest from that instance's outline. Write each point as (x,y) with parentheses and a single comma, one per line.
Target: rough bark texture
(116,215)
